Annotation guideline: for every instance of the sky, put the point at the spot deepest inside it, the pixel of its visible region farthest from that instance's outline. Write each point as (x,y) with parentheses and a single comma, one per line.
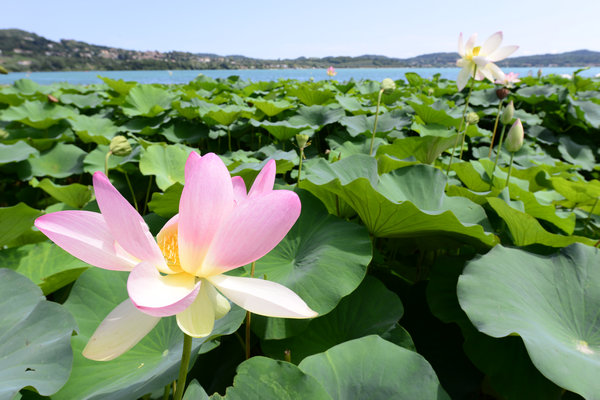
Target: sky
(311,28)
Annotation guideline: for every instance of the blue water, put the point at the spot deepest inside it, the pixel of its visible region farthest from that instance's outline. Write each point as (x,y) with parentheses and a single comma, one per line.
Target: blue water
(343,74)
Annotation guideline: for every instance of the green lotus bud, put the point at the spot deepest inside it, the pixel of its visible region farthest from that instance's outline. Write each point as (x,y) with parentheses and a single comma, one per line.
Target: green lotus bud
(302,140)
(472,118)
(3,70)
(514,139)
(430,92)
(508,113)
(388,85)
(119,146)
(3,134)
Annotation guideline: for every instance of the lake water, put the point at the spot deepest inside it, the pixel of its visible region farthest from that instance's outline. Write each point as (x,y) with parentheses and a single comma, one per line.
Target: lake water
(184,76)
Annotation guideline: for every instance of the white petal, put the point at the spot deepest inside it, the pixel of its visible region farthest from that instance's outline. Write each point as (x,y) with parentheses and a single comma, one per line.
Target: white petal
(461,46)
(122,329)
(496,72)
(502,53)
(463,78)
(262,297)
(486,72)
(491,44)
(198,320)
(470,44)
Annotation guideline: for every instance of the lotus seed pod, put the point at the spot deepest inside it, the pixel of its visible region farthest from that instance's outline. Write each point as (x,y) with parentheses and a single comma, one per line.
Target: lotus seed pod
(388,85)
(119,146)
(508,113)
(472,118)
(514,139)
(302,140)
(502,93)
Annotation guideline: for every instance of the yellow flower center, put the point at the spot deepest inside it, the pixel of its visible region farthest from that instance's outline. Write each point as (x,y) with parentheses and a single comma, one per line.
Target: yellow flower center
(169,247)
(476,50)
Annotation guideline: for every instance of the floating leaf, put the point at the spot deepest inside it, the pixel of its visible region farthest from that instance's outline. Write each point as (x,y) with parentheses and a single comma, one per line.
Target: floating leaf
(373,368)
(36,114)
(35,338)
(16,152)
(61,161)
(94,129)
(147,101)
(551,302)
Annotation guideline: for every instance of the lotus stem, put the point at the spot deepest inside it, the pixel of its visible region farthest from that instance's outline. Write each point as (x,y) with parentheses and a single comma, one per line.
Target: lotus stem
(462,145)
(106,163)
(495,127)
(462,120)
(183,367)
(249,317)
(229,137)
(166,392)
(300,164)
(132,192)
(147,194)
(375,125)
(498,154)
(512,155)
(589,217)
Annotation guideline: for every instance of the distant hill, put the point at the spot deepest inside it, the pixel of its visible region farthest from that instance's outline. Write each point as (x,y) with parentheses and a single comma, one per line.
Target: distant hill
(26,51)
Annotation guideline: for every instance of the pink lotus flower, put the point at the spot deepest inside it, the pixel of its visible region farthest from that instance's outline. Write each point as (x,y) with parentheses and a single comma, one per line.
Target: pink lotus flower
(509,80)
(483,57)
(219,227)
(331,72)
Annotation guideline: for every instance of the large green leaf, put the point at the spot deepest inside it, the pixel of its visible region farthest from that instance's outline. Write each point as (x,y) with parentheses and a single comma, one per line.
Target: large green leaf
(74,195)
(270,107)
(61,161)
(16,152)
(426,149)
(46,264)
(34,338)
(369,310)
(401,205)
(147,101)
(36,114)
(317,116)
(166,162)
(94,128)
(148,366)
(310,96)
(15,221)
(261,378)
(322,259)
(551,302)
(373,368)
(283,130)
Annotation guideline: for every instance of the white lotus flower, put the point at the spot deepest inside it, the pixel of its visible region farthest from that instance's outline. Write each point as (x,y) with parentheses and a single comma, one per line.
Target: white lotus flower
(483,57)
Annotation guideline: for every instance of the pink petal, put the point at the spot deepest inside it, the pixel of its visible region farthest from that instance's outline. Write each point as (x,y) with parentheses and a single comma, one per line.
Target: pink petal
(491,44)
(85,235)
(262,297)
(239,189)
(159,295)
(502,53)
(122,329)
(255,227)
(265,180)
(125,224)
(206,201)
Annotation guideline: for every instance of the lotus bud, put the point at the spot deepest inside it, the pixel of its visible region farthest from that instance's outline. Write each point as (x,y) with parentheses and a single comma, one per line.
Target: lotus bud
(514,139)
(539,73)
(302,140)
(508,113)
(430,92)
(502,93)
(388,85)
(119,146)
(472,118)
(52,99)
(3,71)
(3,134)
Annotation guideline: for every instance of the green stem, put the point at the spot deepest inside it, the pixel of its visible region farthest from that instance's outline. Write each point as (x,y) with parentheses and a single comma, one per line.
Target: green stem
(166,392)
(300,164)
(462,120)
(183,367)
(106,163)
(498,154)
(249,317)
(512,154)
(589,217)
(462,145)
(375,125)
(229,138)
(132,192)
(147,194)
(495,127)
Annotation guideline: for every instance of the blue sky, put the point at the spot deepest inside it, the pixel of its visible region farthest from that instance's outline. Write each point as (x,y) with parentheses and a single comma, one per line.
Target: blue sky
(317,28)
